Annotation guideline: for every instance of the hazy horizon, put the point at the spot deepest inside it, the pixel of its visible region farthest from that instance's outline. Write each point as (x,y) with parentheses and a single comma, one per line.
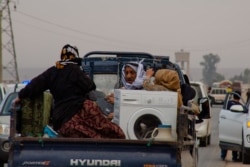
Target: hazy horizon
(195,73)
(161,27)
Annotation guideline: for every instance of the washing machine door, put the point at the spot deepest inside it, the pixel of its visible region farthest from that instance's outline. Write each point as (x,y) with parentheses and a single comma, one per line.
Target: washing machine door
(142,123)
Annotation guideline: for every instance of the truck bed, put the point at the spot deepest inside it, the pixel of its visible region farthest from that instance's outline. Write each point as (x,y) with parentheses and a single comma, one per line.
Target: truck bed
(90,152)
(62,152)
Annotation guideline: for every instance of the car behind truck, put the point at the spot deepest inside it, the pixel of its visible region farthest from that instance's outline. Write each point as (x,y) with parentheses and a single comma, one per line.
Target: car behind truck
(234,128)
(142,151)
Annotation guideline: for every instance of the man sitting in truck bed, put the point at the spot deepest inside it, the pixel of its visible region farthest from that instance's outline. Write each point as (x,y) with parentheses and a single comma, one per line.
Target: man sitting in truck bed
(132,78)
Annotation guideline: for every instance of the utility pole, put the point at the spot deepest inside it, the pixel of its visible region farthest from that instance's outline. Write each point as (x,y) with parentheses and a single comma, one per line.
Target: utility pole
(7,49)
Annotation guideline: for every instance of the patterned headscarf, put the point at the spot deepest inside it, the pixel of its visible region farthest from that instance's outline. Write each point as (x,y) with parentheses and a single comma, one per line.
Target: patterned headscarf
(69,55)
(140,73)
(69,52)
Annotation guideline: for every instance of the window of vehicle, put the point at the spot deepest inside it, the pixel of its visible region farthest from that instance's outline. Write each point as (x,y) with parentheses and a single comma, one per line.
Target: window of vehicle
(105,82)
(1,95)
(6,106)
(198,93)
(2,92)
(218,91)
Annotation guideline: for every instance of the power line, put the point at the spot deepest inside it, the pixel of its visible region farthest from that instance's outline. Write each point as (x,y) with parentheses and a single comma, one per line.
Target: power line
(113,40)
(71,29)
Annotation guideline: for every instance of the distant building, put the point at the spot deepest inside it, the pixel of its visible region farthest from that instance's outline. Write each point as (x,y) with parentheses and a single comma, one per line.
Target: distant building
(225,84)
(182,58)
(237,85)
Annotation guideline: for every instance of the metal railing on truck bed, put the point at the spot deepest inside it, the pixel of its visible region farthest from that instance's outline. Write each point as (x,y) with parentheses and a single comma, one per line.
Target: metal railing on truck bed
(96,62)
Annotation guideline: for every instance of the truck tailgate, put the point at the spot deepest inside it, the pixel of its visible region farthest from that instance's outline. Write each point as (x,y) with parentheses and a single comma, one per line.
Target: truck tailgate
(62,152)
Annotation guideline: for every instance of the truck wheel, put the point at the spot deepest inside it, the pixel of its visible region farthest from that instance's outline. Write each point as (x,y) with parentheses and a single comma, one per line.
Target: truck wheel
(1,164)
(195,155)
(203,141)
(209,140)
(245,155)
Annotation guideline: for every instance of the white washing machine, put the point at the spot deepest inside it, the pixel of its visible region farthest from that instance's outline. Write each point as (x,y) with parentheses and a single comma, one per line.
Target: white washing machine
(138,112)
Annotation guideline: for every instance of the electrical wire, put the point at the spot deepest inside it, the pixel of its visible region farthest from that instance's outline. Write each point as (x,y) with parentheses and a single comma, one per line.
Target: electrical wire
(121,43)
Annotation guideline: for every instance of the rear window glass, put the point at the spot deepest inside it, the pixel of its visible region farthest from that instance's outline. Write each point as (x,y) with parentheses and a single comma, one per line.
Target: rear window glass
(6,105)
(218,91)
(105,82)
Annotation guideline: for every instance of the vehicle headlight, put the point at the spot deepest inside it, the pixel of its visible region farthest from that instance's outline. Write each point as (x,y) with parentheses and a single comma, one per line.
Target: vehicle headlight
(248,123)
(4,129)
(248,138)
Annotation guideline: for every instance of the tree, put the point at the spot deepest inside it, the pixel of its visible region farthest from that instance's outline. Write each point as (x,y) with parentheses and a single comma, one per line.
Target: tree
(244,77)
(209,71)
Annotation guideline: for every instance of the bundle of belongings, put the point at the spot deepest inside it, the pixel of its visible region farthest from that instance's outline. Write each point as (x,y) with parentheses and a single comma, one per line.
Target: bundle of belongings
(35,115)
(166,79)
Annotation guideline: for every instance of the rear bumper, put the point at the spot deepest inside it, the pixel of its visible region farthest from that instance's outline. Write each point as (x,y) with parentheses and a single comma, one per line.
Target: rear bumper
(86,152)
(202,129)
(218,101)
(230,146)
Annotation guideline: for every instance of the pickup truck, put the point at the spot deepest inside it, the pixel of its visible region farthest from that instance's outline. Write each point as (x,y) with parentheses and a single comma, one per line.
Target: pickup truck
(203,124)
(104,68)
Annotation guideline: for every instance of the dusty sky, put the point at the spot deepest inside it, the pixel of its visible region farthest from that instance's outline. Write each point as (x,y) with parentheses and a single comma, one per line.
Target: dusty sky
(163,27)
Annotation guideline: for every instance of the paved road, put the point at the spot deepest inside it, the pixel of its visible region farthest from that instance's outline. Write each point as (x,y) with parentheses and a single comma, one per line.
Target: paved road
(210,156)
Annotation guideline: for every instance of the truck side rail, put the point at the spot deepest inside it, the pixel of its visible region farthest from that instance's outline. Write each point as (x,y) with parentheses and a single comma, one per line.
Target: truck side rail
(141,55)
